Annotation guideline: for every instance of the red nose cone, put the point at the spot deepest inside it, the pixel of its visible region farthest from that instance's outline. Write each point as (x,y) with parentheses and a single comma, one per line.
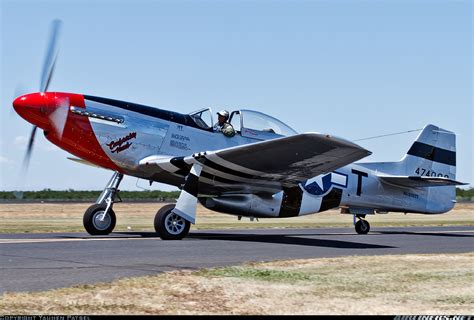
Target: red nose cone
(18,103)
(33,108)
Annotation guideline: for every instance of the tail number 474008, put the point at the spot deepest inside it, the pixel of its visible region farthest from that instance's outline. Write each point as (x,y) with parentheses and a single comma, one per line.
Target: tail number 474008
(429,173)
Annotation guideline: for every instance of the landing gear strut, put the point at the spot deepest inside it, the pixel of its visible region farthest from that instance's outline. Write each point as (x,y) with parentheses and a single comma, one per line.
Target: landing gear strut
(99,219)
(362,226)
(172,222)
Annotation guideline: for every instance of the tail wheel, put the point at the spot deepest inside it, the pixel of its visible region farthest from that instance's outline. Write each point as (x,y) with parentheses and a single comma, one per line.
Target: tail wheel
(94,222)
(169,225)
(362,226)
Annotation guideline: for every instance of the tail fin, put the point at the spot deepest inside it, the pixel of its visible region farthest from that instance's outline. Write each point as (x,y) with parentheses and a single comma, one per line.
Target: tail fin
(433,154)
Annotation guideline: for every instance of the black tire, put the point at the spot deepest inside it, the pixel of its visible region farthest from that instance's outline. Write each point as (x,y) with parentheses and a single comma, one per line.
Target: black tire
(362,226)
(170,226)
(94,227)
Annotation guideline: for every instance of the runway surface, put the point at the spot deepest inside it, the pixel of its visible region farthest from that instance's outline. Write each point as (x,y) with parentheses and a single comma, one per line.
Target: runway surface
(31,262)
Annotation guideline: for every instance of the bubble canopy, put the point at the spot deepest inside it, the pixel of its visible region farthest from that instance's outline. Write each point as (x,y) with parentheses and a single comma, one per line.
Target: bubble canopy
(255,120)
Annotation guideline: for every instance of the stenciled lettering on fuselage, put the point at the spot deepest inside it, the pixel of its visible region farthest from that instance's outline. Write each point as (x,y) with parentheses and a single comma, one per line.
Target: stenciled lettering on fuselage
(320,186)
(179,141)
(411,195)
(121,144)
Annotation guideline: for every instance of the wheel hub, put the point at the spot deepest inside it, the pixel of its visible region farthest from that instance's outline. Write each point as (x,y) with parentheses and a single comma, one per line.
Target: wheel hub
(174,224)
(101,225)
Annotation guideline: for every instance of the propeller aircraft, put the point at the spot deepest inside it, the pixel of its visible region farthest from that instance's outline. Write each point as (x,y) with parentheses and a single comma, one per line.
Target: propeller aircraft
(265,170)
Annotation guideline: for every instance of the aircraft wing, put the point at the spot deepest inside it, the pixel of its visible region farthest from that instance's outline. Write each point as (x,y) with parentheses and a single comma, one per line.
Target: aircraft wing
(420,182)
(268,165)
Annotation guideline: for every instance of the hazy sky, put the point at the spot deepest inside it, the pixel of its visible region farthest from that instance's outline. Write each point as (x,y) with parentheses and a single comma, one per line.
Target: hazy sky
(354,69)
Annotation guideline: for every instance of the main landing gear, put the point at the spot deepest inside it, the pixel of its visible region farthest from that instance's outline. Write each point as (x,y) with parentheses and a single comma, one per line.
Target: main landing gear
(362,226)
(172,222)
(169,225)
(99,219)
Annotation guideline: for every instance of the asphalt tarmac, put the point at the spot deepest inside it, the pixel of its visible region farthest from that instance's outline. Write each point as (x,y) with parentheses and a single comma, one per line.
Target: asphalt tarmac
(32,262)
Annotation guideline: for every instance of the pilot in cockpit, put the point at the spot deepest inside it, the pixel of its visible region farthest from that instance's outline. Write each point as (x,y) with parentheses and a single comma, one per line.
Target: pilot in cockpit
(222,125)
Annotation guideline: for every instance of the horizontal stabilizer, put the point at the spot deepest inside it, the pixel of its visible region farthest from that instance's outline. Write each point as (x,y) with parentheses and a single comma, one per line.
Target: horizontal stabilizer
(420,182)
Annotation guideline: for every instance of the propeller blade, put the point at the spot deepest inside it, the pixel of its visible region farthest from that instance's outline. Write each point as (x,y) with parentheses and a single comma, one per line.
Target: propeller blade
(59,117)
(51,55)
(26,160)
(20,89)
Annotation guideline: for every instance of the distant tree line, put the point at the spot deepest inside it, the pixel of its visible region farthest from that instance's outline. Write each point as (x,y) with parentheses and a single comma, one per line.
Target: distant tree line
(155,195)
(466,195)
(75,195)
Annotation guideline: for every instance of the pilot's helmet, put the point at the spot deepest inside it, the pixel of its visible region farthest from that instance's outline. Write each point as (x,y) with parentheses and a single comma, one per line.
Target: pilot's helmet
(224,113)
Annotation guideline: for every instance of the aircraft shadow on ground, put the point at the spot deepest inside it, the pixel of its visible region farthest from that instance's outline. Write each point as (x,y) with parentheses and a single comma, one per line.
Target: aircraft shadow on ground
(291,239)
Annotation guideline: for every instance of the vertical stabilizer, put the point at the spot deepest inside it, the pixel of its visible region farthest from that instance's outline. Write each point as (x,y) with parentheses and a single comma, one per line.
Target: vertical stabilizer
(433,154)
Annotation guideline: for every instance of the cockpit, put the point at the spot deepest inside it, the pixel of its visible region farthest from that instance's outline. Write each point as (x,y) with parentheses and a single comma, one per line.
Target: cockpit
(247,123)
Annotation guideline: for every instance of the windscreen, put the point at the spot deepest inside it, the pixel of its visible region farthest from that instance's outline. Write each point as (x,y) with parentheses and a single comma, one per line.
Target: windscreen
(203,118)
